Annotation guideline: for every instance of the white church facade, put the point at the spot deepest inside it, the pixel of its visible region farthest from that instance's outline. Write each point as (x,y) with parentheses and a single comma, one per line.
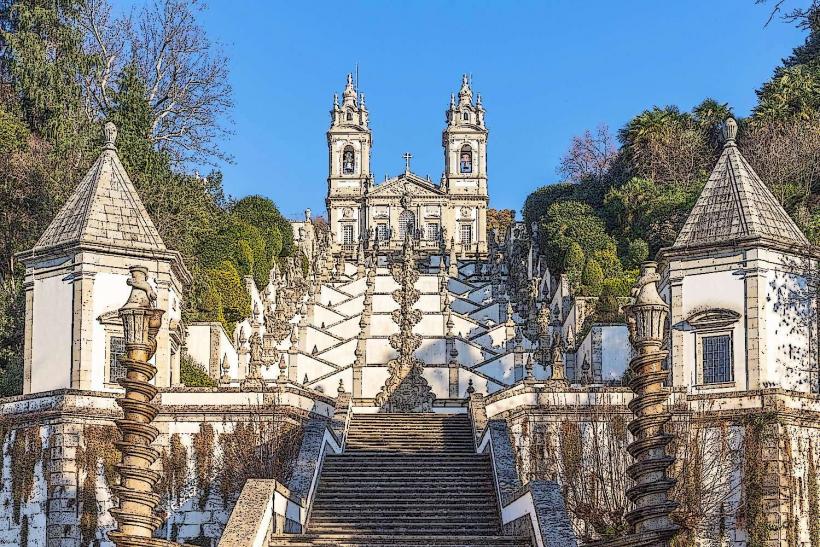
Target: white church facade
(452,212)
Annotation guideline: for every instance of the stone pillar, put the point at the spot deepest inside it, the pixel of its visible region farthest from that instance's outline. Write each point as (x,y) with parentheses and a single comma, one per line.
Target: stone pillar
(679,373)
(62,484)
(163,349)
(135,516)
(646,319)
(82,330)
(28,286)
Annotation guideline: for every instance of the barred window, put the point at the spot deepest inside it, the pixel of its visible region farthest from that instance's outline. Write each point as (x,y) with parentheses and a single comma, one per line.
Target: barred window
(347,234)
(466,234)
(717,359)
(432,231)
(381,232)
(116,349)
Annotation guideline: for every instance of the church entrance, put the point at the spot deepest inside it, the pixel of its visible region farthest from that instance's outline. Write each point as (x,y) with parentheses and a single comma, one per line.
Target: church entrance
(407,224)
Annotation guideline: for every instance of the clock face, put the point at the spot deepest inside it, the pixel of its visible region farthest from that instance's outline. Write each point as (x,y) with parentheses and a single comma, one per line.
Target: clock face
(465,212)
(347,212)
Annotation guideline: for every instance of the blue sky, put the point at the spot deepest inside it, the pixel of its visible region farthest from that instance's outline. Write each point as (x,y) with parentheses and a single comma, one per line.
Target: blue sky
(546,71)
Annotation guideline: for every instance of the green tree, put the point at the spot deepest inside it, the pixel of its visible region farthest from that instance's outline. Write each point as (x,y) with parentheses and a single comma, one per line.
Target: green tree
(592,278)
(567,222)
(574,263)
(637,252)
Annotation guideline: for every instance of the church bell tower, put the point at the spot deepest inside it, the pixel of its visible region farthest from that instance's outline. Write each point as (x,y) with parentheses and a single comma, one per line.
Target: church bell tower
(348,141)
(465,170)
(465,144)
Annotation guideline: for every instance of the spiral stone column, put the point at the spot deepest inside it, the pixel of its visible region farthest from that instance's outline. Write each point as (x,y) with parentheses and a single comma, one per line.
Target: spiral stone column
(141,321)
(646,319)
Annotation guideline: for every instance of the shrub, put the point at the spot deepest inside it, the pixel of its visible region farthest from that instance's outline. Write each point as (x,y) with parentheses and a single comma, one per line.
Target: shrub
(192,375)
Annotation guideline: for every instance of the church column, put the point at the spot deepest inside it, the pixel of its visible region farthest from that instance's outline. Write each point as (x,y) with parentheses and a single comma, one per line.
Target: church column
(82,329)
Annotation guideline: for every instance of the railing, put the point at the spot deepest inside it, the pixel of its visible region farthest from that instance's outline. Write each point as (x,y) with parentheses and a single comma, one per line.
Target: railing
(536,509)
(267,508)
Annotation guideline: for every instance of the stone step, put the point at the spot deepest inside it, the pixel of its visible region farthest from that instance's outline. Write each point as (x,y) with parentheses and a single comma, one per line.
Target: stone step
(353,540)
(406,527)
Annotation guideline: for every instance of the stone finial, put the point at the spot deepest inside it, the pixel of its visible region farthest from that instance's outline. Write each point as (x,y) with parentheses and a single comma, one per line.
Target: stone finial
(142,294)
(308,214)
(529,368)
(729,132)
(341,389)
(283,370)
(470,388)
(110,131)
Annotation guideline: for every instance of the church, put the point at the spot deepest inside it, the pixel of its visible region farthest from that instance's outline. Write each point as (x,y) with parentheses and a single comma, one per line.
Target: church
(451,213)
(417,380)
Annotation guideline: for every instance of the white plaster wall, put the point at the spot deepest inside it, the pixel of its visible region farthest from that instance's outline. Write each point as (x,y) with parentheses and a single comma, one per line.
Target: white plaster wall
(346,328)
(382,325)
(708,291)
(326,316)
(110,293)
(51,334)
(311,367)
(439,380)
(322,341)
(616,352)
(373,378)
(790,330)
(432,351)
(379,351)
(383,303)
(430,325)
(198,344)
(462,306)
(351,307)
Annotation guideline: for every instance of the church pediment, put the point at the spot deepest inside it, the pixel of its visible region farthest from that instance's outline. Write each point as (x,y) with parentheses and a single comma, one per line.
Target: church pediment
(407,184)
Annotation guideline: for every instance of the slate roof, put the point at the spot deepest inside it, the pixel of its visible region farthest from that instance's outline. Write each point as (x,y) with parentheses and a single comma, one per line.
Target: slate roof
(735,205)
(104,209)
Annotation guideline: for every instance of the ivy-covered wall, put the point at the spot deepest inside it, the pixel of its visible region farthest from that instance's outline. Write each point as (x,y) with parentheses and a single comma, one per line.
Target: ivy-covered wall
(59,463)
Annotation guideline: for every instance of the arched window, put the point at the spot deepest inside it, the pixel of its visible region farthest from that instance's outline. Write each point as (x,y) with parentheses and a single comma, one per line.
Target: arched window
(466,161)
(407,224)
(466,117)
(349,117)
(348,160)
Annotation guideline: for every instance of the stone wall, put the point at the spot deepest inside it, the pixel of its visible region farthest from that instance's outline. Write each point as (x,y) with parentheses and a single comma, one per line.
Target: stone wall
(59,459)
(746,463)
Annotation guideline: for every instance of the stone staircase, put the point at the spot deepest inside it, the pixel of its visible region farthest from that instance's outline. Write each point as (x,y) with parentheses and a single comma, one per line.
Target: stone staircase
(406,480)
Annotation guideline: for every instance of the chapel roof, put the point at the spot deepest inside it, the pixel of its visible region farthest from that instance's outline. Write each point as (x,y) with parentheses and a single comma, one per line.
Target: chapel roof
(736,205)
(104,210)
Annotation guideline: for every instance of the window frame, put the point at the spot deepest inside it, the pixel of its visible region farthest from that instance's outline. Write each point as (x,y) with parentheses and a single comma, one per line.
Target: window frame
(463,167)
(465,226)
(429,229)
(110,335)
(347,227)
(718,377)
(345,150)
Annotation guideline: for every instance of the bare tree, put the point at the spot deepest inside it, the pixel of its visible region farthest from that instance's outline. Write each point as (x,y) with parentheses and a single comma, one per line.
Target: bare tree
(799,15)
(589,156)
(786,155)
(186,75)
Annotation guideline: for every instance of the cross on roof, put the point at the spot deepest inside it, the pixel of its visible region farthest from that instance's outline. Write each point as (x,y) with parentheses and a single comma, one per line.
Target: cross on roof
(407,156)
